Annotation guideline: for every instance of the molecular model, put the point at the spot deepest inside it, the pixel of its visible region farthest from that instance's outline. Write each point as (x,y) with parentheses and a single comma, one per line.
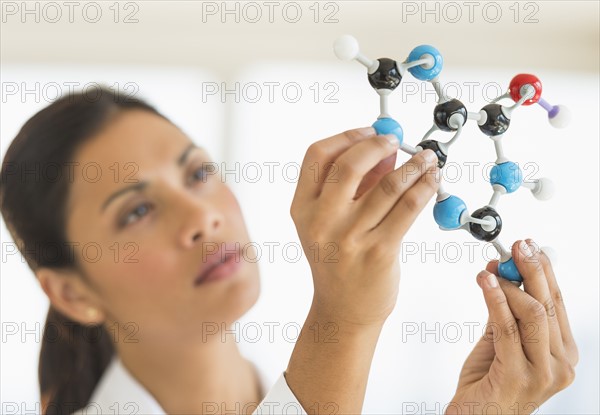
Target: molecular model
(450,115)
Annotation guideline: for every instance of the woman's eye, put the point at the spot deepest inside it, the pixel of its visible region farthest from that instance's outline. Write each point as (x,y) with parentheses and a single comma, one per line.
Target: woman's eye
(200,174)
(140,211)
(135,214)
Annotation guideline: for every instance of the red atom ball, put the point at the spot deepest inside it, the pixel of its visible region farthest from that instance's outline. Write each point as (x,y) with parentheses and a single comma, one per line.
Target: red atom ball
(523,79)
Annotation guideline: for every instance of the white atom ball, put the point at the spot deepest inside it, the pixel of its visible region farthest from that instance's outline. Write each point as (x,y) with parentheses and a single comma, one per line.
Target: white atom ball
(562,119)
(346,47)
(544,189)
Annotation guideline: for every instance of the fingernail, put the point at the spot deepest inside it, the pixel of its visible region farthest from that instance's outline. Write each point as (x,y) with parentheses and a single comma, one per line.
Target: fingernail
(488,279)
(429,156)
(491,280)
(393,140)
(438,174)
(524,248)
(366,131)
(533,247)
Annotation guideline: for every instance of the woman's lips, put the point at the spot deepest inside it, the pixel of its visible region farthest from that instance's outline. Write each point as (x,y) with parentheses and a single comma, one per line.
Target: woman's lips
(221,269)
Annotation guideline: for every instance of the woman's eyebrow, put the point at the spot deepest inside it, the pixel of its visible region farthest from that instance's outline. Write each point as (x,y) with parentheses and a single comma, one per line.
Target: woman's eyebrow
(141,185)
(185,153)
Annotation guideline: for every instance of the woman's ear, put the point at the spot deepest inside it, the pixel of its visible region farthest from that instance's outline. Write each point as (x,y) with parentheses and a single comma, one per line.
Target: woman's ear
(70,296)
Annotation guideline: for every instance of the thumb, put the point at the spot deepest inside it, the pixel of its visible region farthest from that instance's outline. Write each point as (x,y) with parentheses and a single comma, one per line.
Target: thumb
(502,326)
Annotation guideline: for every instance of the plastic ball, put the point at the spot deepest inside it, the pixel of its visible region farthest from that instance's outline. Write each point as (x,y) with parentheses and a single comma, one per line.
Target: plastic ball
(388,126)
(482,232)
(523,79)
(435,147)
(496,122)
(544,189)
(421,72)
(346,47)
(442,113)
(559,116)
(387,75)
(508,270)
(448,211)
(507,175)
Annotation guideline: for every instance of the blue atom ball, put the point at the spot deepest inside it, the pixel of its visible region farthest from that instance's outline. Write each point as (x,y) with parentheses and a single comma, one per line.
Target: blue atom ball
(447,212)
(507,175)
(388,126)
(418,71)
(508,270)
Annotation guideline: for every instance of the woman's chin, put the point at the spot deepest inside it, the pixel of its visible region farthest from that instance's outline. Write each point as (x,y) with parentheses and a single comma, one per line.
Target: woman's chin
(244,294)
(240,295)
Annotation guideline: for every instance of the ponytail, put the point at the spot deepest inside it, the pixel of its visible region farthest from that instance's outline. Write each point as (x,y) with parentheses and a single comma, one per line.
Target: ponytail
(72,360)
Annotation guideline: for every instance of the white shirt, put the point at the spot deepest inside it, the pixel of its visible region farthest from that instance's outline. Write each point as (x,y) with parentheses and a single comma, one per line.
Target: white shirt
(118,392)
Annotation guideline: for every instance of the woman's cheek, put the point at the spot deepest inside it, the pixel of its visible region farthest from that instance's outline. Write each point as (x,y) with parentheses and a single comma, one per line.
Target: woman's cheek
(143,290)
(142,270)
(230,204)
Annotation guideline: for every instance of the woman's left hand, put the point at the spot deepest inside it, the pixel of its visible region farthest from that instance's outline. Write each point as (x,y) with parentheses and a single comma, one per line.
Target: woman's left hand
(528,352)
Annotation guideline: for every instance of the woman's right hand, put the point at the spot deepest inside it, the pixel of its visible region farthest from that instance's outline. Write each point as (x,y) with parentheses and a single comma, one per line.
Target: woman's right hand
(351,210)
(528,352)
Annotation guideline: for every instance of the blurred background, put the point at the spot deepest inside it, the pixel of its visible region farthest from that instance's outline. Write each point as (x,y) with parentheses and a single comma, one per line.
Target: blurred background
(257,82)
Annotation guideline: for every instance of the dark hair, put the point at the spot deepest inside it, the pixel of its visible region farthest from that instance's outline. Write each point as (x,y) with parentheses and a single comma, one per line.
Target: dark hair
(33,194)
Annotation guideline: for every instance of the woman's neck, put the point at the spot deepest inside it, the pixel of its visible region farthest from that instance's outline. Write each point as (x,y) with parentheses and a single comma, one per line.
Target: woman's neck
(194,378)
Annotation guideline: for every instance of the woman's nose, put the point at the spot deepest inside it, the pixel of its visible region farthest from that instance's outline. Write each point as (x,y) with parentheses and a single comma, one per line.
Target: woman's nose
(200,222)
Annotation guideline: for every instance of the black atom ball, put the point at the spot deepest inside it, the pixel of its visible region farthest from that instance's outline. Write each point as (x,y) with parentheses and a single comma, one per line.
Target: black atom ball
(387,75)
(442,113)
(497,123)
(435,147)
(477,230)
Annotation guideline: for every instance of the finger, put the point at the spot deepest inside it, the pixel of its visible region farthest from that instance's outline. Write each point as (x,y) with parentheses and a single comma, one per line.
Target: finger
(372,178)
(351,167)
(400,195)
(319,156)
(532,321)
(559,305)
(502,329)
(492,266)
(411,203)
(536,285)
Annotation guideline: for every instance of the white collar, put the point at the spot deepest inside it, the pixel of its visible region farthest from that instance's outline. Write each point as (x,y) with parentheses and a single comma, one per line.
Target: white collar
(119,392)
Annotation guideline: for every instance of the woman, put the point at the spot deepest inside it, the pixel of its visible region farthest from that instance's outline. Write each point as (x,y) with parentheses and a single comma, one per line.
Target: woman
(140,224)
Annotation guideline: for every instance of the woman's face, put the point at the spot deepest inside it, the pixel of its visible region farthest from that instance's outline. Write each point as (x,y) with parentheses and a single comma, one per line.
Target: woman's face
(144,215)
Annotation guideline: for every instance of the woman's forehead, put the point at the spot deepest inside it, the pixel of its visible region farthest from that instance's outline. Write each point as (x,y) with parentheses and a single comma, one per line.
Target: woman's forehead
(133,147)
(135,136)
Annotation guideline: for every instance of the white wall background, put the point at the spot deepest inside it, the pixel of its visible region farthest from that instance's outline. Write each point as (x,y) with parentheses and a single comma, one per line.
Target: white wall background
(409,371)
